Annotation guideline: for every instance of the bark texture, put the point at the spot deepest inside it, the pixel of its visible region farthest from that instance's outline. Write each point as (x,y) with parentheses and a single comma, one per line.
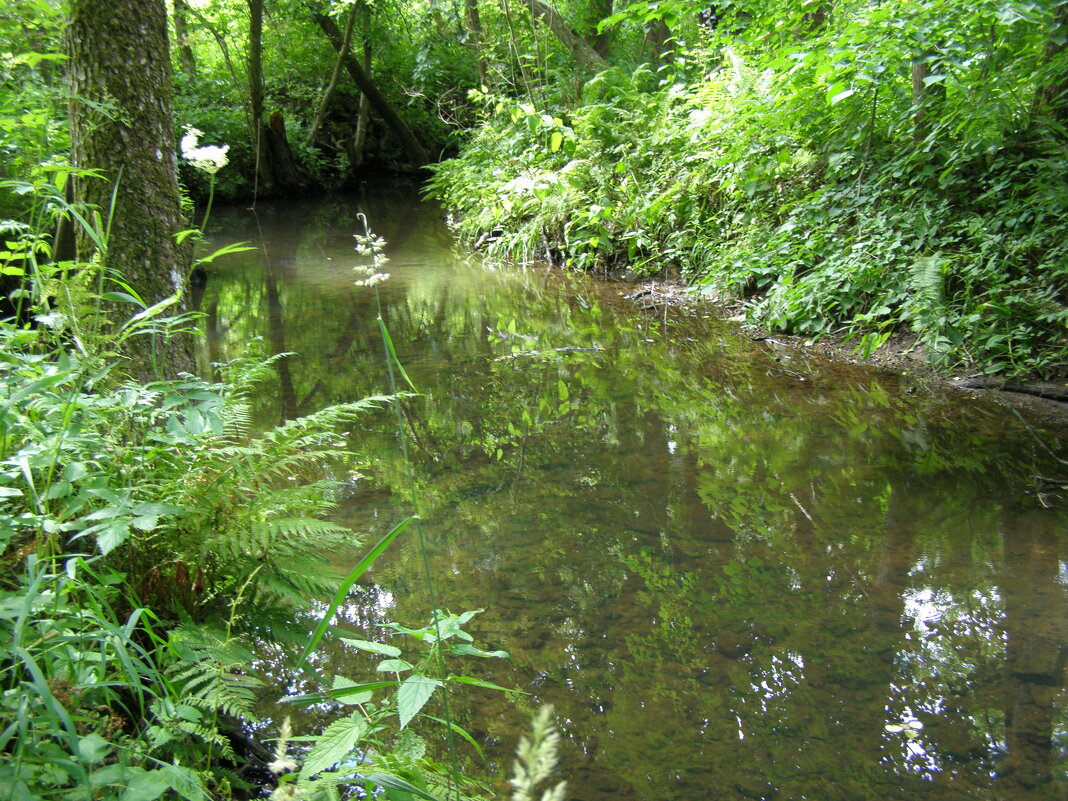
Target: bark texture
(474,29)
(925,97)
(122,125)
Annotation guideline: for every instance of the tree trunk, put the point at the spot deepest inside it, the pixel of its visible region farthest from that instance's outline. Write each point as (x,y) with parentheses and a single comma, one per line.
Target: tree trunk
(288,176)
(600,10)
(586,56)
(264,176)
(363,115)
(411,145)
(660,41)
(276,169)
(328,93)
(119,56)
(925,96)
(181,37)
(474,28)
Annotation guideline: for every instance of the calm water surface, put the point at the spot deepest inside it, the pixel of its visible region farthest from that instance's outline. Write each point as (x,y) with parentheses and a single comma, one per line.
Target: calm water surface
(737,571)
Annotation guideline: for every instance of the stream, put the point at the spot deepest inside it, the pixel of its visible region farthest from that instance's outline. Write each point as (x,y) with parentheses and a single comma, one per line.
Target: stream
(737,570)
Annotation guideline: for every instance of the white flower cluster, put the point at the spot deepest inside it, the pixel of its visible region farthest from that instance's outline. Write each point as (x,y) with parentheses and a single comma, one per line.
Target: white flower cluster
(209,158)
(368,245)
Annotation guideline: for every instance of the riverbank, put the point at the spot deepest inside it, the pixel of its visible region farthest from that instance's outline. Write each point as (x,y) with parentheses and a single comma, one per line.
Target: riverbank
(901,353)
(949,241)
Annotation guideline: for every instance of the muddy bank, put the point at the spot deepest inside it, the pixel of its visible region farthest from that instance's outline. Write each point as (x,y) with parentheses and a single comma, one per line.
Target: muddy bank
(901,354)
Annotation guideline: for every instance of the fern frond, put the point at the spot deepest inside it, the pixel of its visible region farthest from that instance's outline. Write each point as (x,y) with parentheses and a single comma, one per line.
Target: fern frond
(213,672)
(927,281)
(208,735)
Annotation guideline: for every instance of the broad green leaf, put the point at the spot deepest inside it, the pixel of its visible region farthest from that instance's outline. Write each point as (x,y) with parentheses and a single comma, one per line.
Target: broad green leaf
(143,785)
(555,141)
(111,536)
(60,489)
(109,774)
(357,694)
(840,96)
(394,666)
(184,782)
(463,649)
(93,748)
(336,743)
(412,696)
(373,647)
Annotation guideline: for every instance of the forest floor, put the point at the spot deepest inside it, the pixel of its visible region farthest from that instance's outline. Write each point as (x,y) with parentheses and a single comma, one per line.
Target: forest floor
(900,354)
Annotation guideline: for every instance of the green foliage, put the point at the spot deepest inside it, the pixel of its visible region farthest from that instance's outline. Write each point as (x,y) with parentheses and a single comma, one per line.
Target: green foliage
(354,749)
(801,170)
(33,134)
(78,681)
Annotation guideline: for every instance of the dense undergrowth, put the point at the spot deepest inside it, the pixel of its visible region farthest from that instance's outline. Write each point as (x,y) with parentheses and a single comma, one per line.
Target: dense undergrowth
(153,541)
(890,168)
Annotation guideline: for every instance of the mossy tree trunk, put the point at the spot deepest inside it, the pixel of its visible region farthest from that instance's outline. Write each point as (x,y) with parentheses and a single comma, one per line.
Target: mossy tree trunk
(122,125)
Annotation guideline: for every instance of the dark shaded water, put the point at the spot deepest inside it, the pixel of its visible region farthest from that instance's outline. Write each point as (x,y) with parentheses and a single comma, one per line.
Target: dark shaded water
(739,572)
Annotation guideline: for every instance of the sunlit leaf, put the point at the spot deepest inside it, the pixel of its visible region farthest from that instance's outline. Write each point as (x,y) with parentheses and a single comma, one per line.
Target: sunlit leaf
(412,696)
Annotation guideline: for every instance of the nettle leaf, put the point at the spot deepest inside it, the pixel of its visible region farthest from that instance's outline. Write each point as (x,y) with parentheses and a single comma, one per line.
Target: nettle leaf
(336,743)
(350,699)
(373,647)
(412,696)
(393,665)
(143,785)
(111,536)
(93,748)
(463,649)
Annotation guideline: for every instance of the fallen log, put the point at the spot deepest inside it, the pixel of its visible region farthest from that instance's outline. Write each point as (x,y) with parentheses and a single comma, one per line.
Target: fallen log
(1041,389)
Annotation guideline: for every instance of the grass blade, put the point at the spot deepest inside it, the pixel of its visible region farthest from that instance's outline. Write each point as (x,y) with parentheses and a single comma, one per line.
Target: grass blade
(346,585)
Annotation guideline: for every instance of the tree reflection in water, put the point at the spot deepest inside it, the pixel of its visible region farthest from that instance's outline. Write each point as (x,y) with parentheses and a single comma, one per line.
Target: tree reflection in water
(736,570)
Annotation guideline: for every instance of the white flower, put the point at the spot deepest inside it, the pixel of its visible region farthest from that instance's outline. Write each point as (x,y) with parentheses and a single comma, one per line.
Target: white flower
(282,765)
(209,158)
(190,140)
(372,280)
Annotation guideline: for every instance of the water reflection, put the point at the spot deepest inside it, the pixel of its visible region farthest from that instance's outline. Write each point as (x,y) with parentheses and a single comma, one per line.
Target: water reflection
(737,570)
